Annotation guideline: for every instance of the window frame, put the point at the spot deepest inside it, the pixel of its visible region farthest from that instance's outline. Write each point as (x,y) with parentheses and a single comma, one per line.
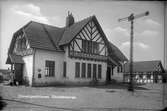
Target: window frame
(77,69)
(90,46)
(89,70)
(99,71)
(83,72)
(94,71)
(64,69)
(49,68)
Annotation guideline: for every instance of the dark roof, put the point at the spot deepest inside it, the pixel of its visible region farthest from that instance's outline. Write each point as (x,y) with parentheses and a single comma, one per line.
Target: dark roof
(144,66)
(49,37)
(113,50)
(14,59)
(38,35)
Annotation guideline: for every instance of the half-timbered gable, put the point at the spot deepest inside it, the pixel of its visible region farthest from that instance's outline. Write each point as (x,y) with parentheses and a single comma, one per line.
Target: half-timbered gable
(89,44)
(21,45)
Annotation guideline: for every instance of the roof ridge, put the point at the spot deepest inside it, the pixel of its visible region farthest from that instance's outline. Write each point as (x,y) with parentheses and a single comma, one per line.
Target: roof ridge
(149,61)
(47,24)
(79,21)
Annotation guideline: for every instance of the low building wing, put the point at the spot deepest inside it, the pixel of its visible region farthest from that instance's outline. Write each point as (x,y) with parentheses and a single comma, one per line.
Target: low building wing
(145,66)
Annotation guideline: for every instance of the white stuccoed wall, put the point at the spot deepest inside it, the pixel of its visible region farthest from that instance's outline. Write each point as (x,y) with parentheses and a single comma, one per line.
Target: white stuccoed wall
(28,67)
(117,76)
(39,63)
(59,57)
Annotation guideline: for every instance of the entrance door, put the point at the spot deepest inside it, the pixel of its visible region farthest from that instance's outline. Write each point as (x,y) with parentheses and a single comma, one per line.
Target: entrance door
(108,75)
(19,73)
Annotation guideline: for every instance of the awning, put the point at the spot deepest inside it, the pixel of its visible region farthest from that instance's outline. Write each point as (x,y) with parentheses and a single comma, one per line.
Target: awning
(14,59)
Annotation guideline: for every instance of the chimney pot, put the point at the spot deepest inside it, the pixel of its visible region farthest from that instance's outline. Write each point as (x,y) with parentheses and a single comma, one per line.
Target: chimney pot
(69,19)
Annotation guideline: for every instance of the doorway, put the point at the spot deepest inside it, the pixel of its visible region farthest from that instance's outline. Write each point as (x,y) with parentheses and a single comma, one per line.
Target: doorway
(108,74)
(19,73)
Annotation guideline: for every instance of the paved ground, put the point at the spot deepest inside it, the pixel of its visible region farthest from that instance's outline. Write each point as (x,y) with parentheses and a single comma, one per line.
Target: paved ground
(102,98)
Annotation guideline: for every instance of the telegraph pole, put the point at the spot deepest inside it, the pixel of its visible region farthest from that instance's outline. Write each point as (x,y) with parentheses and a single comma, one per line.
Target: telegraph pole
(131,19)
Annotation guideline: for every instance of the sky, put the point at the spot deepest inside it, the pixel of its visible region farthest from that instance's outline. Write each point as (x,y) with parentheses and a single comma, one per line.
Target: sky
(148,30)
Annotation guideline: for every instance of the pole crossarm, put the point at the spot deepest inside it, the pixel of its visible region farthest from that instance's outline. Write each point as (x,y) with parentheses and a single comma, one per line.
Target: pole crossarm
(132,16)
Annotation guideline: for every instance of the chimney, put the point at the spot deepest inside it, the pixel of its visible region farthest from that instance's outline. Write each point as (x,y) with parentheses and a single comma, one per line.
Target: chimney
(69,19)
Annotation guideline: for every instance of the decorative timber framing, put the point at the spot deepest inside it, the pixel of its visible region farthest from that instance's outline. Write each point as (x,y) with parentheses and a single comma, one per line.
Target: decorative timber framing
(21,44)
(89,44)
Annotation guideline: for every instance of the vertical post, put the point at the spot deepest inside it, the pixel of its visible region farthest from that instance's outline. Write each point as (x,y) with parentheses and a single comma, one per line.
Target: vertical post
(131,56)
(130,19)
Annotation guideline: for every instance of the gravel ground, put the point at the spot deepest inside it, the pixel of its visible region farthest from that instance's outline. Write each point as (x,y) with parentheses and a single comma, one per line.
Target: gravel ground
(106,98)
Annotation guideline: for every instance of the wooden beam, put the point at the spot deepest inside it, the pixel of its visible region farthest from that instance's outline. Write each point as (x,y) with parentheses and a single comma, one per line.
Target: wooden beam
(78,45)
(94,27)
(86,32)
(101,49)
(94,31)
(87,29)
(84,35)
(98,38)
(96,35)
(71,46)
(90,25)
(93,24)
(105,51)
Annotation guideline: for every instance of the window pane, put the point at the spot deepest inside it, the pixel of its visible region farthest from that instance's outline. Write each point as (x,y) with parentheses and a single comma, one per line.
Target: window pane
(94,71)
(49,68)
(83,70)
(77,69)
(84,45)
(117,68)
(89,71)
(64,69)
(99,71)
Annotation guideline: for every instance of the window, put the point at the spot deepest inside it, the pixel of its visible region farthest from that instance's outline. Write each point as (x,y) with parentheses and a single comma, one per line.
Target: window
(49,68)
(99,71)
(23,43)
(39,75)
(95,47)
(89,71)
(84,46)
(119,69)
(20,43)
(64,69)
(148,76)
(83,75)
(77,69)
(90,46)
(94,71)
